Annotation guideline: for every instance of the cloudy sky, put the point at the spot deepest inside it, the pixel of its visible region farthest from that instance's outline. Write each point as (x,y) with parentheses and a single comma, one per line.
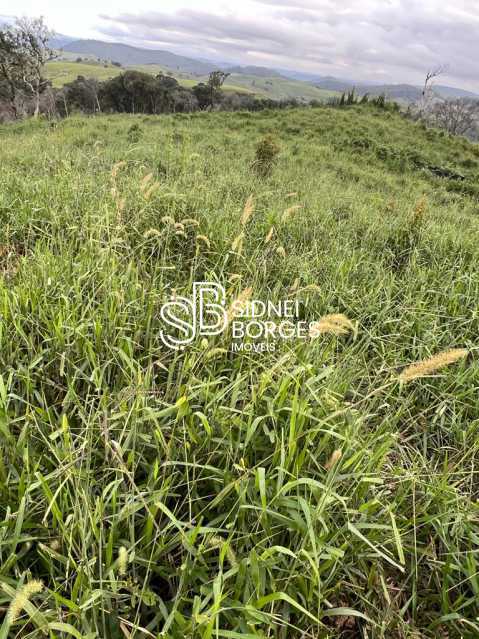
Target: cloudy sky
(377,40)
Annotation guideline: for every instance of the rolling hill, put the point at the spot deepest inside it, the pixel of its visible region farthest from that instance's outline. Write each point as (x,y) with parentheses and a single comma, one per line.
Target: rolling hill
(407,93)
(275,87)
(274,83)
(128,56)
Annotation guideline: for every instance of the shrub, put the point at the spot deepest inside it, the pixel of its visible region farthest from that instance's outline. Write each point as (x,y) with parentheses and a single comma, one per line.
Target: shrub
(135,133)
(267,151)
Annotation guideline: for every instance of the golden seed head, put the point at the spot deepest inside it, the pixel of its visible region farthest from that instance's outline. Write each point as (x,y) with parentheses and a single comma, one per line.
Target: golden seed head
(431,365)
(122,560)
(116,168)
(239,303)
(269,237)
(288,213)
(144,182)
(333,460)
(22,597)
(237,245)
(337,324)
(247,211)
(149,192)
(151,233)
(204,239)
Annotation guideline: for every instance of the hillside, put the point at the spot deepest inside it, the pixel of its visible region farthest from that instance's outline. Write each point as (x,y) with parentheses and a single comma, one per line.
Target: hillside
(277,84)
(274,87)
(128,56)
(399,92)
(315,487)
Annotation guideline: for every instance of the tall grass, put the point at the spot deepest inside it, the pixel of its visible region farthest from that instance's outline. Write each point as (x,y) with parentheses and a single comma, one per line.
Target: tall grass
(304,492)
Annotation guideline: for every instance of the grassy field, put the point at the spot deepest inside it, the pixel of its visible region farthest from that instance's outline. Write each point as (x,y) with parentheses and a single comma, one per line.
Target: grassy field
(60,72)
(308,492)
(278,88)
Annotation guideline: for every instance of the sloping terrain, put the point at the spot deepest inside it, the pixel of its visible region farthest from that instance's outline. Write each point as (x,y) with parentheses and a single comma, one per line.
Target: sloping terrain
(128,56)
(275,87)
(320,489)
(406,93)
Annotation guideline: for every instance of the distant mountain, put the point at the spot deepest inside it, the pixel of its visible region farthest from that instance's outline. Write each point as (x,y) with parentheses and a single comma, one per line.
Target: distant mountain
(133,56)
(453,92)
(303,76)
(260,72)
(59,41)
(400,92)
(128,56)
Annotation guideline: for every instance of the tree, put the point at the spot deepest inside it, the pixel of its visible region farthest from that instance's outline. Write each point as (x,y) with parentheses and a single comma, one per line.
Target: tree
(458,117)
(427,96)
(24,52)
(202,95)
(215,82)
(81,94)
(10,69)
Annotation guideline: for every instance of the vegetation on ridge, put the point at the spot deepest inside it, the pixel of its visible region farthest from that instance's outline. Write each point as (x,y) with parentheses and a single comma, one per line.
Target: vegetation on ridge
(305,492)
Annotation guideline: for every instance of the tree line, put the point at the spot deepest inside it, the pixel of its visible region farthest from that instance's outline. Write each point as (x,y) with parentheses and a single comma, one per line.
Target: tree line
(24,89)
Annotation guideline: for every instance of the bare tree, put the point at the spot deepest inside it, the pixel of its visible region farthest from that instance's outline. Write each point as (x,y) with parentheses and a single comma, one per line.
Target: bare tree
(458,117)
(24,51)
(427,97)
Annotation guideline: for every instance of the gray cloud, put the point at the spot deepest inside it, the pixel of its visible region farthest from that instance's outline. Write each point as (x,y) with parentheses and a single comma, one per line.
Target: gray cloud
(388,41)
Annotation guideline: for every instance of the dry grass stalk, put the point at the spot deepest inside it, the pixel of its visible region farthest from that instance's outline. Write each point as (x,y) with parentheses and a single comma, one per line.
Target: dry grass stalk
(288,213)
(337,324)
(269,237)
(149,192)
(237,245)
(238,304)
(116,168)
(144,182)
(204,239)
(333,460)
(295,286)
(247,211)
(431,365)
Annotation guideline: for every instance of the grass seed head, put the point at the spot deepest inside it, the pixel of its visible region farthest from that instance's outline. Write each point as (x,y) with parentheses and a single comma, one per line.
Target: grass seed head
(144,182)
(333,460)
(204,239)
(247,211)
(337,324)
(269,236)
(237,245)
(22,597)
(238,304)
(288,213)
(433,364)
(116,168)
(122,560)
